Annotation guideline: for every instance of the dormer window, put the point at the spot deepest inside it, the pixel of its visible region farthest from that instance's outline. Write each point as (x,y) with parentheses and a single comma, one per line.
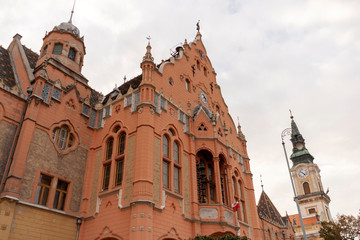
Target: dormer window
(72,54)
(58,49)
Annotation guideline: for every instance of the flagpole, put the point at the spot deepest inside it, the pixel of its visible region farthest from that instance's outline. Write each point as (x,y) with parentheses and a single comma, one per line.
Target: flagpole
(287,131)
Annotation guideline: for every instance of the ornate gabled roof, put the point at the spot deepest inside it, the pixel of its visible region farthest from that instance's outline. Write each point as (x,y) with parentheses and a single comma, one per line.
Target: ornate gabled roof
(134,83)
(6,71)
(31,56)
(268,211)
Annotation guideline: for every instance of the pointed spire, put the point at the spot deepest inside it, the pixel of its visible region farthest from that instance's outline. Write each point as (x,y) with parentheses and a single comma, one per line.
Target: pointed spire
(262,185)
(72,12)
(296,136)
(148,56)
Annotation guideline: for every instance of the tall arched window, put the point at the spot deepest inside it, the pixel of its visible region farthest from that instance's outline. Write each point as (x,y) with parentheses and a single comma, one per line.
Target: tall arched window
(113,165)
(171,165)
(205,177)
(306,187)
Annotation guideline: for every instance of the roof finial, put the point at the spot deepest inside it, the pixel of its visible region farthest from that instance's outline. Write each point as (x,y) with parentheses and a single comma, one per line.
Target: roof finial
(291,116)
(72,12)
(148,38)
(148,57)
(124,78)
(262,186)
(198,26)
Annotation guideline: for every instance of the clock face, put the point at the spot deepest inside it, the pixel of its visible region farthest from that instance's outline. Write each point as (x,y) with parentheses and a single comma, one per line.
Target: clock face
(299,146)
(203,98)
(303,172)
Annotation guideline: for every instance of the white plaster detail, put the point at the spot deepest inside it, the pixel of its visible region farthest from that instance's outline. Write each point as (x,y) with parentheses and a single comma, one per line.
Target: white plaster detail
(98,203)
(208,213)
(119,196)
(229,216)
(163,197)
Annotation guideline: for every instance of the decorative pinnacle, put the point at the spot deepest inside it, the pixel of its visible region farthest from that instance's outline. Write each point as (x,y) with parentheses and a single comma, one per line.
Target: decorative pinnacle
(148,57)
(198,26)
(291,116)
(262,185)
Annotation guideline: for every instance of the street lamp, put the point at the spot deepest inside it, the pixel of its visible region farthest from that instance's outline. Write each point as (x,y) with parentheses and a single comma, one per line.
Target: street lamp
(284,133)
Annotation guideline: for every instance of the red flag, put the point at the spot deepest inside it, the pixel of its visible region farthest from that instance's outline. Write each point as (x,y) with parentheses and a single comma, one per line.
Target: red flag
(235,206)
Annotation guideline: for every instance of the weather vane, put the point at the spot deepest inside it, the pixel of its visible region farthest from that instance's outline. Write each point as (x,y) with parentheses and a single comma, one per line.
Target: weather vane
(148,38)
(198,26)
(262,186)
(291,116)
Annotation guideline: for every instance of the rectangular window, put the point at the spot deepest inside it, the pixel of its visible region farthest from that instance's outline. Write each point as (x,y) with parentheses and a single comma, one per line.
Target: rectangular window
(100,117)
(156,101)
(312,210)
(181,116)
(187,124)
(176,179)
(119,172)
(92,118)
(166,179)
(106,176)
(45,92)
(60,195)
(85,110)
(58,49)
(42,190)
(56,94)
(128,101)
(163,103)
(107,111)
(137,99)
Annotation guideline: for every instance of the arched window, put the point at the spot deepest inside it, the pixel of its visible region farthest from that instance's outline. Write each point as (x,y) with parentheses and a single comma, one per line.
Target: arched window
(171,166)
(72,53)
(113,177)
(63,137)
(205,177)
(306,187)
(239,197)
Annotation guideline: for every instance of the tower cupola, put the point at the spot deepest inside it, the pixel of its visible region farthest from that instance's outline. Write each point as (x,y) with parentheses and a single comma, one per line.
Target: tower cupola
(64,45)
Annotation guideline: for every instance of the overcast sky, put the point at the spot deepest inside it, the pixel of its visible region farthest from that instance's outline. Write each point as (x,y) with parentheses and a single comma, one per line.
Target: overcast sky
(269,56)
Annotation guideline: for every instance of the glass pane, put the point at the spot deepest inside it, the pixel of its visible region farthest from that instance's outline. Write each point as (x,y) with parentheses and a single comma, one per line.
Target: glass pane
(165,174)
(119,172)
(72,54)
(176,180)
(58,49)
(62,185)
(106,178)
(45,179)
(56,199)
(165,147)
(44,196)
(37,195)
(109,148)
(176,152)
(45,92)
(62,201)
(122,143)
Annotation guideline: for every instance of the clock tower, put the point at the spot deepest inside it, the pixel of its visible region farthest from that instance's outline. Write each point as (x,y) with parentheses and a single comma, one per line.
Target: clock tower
(313,201)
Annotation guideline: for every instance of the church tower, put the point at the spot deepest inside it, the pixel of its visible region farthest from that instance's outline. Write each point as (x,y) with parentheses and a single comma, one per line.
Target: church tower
(313,201)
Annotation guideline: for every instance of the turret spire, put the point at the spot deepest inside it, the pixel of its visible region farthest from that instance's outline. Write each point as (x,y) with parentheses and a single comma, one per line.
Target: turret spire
(72,12)
(300,153)
(148,56)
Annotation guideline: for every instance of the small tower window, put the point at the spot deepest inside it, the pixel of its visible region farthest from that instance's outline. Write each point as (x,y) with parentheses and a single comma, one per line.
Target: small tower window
(306,187)
(44,51)
(72,54)
(187,85)
(58,49)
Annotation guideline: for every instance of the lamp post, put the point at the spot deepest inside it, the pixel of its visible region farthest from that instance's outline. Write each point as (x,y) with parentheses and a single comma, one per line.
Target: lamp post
(284,133)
